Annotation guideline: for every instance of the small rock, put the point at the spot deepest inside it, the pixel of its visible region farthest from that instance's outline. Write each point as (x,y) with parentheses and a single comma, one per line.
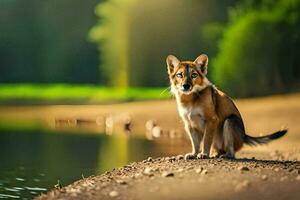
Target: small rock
(298,178)
(165,158)
(148,171)
(150,124)
(74,190)
(180,157)
(243,168)
(137,175)
(199,170)
(167,174)
(121,182)
(156,132)
(242,185)
(264,177)
(149,159)
(113,194)
(204,172)
(180,170)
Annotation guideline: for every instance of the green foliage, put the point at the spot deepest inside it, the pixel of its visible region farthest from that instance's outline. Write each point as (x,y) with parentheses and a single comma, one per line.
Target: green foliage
(135,36)
(62,92)
(257,54)
(46,41)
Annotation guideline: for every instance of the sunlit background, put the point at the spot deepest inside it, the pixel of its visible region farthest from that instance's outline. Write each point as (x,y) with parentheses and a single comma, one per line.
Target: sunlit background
(112,51)
(252,45)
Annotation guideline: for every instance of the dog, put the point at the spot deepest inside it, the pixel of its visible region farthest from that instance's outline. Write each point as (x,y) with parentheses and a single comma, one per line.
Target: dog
(210,117)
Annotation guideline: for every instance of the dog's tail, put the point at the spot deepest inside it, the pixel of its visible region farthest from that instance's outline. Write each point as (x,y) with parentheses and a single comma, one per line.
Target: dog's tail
(264,139)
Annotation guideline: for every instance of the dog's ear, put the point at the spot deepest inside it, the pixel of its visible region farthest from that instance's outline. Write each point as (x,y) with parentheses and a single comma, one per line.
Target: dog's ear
(172,62)
(201,63)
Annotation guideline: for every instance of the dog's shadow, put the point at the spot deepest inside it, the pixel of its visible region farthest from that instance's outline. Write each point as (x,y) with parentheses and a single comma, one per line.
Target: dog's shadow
(261,161)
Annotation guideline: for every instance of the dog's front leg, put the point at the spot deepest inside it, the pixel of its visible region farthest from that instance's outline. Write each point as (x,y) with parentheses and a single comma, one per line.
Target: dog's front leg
(195,138)
(210,131)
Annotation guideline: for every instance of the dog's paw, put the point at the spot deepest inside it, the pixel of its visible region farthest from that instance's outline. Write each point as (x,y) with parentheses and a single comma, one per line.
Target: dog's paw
(216,156)
(202,156)
(190,156)
(219,155)
(227,156)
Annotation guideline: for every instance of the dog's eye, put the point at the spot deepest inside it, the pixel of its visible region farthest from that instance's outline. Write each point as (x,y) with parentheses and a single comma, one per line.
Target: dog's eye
(179,75)
(194,75)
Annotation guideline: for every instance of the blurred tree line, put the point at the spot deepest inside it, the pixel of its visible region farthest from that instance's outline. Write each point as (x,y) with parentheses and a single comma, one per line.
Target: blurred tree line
(135,36)
(251,43)
(46,41)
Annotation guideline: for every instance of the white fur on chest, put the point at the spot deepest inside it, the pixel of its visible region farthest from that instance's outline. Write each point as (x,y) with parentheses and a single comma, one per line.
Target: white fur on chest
(193,116)
(190,111)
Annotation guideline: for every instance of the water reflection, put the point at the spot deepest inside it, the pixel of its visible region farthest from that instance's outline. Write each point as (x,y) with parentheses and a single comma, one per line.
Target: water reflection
(33,162)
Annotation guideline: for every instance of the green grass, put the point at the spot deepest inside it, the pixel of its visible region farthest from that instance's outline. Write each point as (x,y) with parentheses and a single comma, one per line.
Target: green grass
(57,92)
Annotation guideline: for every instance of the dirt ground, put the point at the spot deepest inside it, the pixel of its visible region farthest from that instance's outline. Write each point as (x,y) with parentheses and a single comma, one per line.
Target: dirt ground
(266,172)
(174,178)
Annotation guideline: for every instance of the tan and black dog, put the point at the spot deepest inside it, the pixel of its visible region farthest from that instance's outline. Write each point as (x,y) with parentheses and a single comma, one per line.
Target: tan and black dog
(210,116)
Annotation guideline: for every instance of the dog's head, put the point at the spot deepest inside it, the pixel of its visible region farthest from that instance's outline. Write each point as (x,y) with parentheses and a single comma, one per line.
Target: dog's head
(187,77)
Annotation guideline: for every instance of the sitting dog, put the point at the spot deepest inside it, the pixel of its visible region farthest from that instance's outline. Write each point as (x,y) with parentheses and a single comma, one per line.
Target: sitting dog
(210,116)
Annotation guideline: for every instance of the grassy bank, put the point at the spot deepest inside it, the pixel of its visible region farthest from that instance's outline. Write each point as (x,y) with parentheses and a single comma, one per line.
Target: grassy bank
(61,92)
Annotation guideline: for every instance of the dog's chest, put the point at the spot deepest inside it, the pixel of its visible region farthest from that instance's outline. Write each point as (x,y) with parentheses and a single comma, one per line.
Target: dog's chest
(194,115)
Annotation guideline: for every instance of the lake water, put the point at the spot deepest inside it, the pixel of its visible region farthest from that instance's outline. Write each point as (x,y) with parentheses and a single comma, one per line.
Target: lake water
(33,162)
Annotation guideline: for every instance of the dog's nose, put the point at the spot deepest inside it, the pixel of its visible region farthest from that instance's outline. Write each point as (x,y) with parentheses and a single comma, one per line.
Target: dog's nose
(186,87)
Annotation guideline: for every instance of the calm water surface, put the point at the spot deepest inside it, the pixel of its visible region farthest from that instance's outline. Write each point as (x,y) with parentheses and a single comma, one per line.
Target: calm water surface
(33,162)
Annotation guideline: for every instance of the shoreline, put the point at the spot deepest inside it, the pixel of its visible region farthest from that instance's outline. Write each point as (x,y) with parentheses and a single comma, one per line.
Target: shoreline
(176,178)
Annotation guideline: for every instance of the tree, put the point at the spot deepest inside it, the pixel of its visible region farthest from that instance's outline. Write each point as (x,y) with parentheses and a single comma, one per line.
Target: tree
(257,54)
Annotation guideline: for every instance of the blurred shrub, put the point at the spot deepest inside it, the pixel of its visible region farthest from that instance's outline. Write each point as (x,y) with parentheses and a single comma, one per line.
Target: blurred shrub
(258,52)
